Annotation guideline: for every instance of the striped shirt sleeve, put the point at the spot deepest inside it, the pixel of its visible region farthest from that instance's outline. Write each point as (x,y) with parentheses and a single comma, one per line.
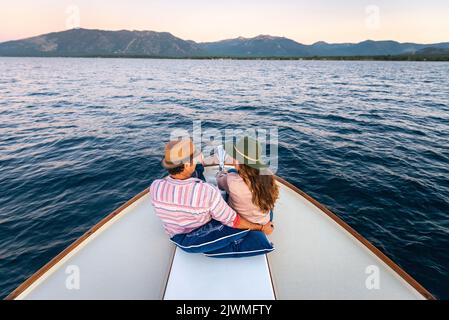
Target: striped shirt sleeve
(220,211)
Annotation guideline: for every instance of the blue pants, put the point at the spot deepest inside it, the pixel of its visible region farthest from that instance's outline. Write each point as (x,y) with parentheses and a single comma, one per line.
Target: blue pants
(219,241)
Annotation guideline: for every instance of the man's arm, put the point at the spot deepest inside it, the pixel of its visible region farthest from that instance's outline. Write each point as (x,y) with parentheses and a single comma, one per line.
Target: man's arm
(220,211)
(242,223)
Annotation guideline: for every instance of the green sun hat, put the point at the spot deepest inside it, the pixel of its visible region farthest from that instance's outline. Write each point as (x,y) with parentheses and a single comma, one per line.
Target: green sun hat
(247,151)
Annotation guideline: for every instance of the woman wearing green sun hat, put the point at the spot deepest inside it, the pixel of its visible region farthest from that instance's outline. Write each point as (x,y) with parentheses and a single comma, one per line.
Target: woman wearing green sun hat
(251,188)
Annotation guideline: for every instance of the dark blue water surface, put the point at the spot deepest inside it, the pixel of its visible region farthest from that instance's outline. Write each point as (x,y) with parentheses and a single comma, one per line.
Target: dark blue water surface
(78,137)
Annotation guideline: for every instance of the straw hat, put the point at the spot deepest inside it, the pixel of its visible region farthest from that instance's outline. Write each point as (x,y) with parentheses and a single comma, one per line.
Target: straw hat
(179,152)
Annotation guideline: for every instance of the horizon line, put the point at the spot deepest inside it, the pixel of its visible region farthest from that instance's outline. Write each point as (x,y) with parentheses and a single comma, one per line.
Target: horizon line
(236,37)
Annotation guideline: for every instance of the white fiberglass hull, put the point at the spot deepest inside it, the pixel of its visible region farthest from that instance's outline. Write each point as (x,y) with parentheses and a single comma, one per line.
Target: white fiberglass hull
(128,256)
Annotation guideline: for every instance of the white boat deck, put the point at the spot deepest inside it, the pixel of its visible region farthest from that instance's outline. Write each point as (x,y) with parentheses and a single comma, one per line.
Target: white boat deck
(315,258)
(197,277)
(129,256)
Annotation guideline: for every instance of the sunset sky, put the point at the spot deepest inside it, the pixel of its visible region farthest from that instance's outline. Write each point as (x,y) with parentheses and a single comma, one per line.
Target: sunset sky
(209,20)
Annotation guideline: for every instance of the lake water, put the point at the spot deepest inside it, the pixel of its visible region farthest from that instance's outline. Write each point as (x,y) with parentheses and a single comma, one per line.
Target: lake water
(79,137)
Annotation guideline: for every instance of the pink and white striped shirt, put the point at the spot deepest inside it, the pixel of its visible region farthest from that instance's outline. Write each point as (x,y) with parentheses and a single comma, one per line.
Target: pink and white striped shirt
(185,205)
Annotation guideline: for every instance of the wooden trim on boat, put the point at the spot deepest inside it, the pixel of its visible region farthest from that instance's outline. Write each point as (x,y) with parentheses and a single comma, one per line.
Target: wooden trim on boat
(404,275)
(25,285)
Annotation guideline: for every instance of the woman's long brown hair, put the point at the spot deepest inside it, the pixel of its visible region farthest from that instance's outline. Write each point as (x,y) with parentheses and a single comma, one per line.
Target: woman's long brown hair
(264,189)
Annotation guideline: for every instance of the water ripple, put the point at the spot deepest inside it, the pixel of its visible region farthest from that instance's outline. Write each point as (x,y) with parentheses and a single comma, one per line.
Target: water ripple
(370,140)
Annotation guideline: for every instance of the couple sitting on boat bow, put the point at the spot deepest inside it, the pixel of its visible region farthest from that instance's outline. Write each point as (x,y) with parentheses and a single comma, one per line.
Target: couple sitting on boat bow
(196,216)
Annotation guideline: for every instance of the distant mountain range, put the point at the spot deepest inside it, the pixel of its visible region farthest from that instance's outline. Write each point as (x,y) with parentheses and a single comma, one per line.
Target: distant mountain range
(86,42)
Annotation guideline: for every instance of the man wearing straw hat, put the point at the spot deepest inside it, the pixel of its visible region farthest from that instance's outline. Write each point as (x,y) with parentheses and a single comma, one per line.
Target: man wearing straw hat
(195,215)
